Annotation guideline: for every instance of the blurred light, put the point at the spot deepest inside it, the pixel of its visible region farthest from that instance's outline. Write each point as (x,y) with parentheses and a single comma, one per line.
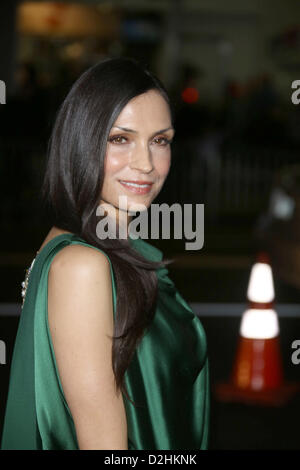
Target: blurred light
(73,51)
(59,19)
(281,205)
(190,95)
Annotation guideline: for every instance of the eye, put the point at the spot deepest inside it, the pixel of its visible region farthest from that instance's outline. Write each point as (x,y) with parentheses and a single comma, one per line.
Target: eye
(164,141)
(116,139)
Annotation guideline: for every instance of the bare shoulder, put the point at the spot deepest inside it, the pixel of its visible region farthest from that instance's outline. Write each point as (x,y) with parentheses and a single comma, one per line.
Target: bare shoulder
(79,280)
(80,259)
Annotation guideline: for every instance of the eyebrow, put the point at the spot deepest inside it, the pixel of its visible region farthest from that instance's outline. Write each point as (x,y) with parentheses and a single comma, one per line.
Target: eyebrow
(125,129)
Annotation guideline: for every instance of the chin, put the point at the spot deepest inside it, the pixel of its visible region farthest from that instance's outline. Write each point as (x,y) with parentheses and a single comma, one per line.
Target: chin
(135,205)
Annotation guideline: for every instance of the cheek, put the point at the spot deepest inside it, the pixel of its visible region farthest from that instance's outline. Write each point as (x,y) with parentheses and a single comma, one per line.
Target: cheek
(162,166)
(113,164)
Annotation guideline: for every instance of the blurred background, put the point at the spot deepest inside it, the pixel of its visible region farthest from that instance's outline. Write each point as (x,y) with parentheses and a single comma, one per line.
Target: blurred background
(229,68)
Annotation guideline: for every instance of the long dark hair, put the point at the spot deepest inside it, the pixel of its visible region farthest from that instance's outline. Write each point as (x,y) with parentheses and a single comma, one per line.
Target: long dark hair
(73,182)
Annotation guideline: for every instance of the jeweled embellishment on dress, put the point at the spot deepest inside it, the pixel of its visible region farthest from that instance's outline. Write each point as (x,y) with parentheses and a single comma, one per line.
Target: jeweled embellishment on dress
(26,280)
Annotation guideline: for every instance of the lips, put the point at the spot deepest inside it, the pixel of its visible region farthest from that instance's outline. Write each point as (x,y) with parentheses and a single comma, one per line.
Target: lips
(137,187)
(136,182)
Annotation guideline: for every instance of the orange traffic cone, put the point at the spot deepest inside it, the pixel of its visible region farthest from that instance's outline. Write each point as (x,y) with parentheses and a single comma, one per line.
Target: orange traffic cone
(257,373)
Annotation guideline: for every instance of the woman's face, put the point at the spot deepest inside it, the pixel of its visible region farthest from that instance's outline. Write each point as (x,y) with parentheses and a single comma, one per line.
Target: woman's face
(138,152)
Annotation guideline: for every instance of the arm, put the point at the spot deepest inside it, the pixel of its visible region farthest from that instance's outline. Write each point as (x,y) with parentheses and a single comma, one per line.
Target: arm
(80,316)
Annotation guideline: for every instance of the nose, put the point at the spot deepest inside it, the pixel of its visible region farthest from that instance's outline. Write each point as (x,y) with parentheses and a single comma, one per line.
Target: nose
(141,159)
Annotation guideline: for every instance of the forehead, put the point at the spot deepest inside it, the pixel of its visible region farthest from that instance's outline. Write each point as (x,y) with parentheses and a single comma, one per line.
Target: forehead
(149,106)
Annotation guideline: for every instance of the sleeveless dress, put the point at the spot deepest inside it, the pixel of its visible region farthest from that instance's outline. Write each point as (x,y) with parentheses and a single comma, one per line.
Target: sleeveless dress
(168,378)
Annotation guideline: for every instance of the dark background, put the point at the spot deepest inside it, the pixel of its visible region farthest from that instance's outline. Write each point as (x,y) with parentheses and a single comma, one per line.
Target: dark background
(229,68)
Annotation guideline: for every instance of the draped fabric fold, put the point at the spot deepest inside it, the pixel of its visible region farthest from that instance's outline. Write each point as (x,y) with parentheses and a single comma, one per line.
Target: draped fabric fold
(168,378)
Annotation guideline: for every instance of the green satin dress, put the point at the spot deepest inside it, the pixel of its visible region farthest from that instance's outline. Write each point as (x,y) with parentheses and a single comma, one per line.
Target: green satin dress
(168,377)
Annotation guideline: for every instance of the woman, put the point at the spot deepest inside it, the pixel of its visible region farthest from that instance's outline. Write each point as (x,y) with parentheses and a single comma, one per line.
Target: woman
(108,355)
